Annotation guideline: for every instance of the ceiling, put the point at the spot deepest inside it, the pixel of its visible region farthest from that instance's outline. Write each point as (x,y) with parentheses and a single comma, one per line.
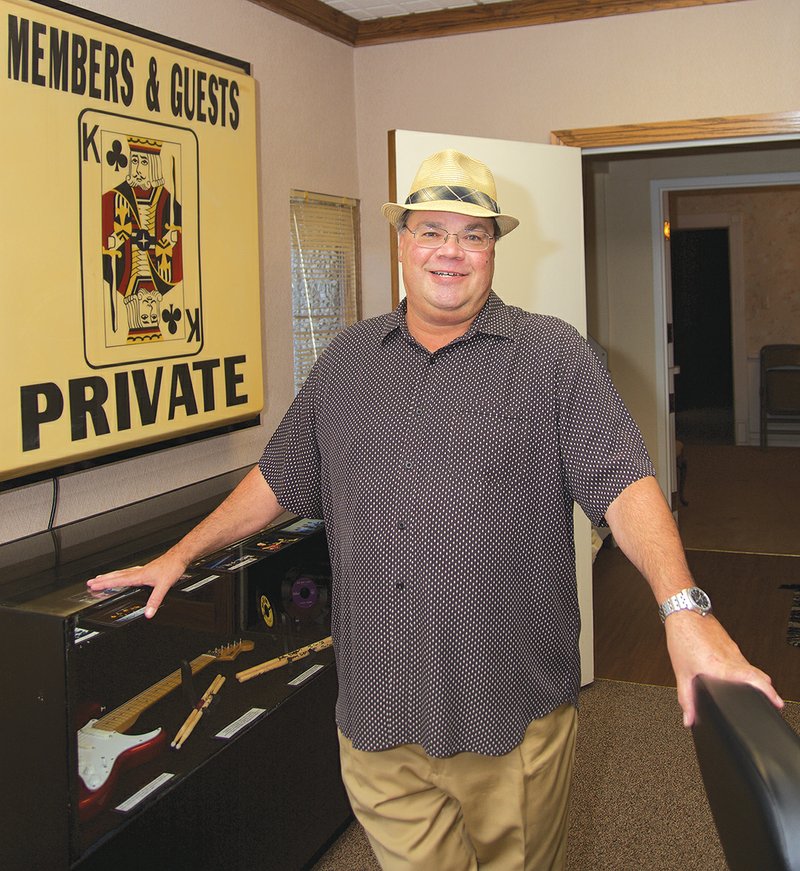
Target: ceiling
(367,10)
(371,22)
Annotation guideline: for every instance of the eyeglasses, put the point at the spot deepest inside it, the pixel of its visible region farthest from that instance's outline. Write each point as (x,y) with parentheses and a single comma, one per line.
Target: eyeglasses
(433,237)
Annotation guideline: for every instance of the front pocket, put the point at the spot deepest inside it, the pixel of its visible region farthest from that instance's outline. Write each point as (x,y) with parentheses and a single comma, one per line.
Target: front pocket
(485,442)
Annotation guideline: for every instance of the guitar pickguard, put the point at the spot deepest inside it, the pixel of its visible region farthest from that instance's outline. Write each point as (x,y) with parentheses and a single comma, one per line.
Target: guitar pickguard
(99,750)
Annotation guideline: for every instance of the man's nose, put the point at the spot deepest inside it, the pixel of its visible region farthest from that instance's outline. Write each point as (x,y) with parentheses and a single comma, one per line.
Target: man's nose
(450,244)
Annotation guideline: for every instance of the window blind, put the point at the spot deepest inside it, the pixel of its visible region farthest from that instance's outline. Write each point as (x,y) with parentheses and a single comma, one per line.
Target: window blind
(325,273)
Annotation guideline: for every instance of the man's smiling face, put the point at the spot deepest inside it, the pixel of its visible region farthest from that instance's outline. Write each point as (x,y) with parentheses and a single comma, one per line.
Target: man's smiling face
(445,286)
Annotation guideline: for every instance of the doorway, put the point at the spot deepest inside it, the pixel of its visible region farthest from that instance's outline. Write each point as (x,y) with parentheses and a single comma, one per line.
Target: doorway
(703,353)
(630,311)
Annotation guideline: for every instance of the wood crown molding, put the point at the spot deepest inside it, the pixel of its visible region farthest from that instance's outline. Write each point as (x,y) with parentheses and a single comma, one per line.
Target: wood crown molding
(316,15)
(469,19)
(666,132)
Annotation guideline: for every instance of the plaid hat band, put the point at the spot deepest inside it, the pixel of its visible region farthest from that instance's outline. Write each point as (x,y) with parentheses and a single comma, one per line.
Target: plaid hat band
(454,193)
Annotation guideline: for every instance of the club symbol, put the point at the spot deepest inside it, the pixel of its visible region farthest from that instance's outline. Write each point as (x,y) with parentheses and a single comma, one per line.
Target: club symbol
(171,317)
(115,157)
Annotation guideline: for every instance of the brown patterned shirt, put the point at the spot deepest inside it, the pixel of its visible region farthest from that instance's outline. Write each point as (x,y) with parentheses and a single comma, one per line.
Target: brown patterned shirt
(447,482)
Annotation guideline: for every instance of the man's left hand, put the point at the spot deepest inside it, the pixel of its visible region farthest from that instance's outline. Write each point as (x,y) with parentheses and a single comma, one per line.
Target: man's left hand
(700,645)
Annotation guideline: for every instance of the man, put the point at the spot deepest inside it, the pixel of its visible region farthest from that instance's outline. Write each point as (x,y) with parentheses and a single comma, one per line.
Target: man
(445,444)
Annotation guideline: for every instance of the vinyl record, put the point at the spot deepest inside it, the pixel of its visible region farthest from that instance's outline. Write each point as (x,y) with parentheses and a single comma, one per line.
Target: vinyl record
(304,595)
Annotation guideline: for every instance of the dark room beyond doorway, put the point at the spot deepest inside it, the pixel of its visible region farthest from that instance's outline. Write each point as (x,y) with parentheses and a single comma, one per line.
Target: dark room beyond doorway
(701,308)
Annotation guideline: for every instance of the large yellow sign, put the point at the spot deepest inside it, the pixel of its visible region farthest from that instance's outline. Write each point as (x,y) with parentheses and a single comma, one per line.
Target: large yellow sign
(129,241)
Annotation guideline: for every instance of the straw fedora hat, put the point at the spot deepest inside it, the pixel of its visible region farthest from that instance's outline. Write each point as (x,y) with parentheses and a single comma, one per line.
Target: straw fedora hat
(450,181)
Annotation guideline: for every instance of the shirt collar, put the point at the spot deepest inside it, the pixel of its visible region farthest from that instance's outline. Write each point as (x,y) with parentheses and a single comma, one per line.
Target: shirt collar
(494,319)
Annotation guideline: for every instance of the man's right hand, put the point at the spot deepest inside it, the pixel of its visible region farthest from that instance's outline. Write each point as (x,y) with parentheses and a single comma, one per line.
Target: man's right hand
(250,507)
(160,574)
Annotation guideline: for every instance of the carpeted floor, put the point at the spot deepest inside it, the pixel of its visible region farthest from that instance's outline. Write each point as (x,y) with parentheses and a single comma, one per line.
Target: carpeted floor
(634,782)
(636,779)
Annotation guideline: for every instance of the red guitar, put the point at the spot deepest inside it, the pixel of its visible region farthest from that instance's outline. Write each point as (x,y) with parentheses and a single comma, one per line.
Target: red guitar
(103,748)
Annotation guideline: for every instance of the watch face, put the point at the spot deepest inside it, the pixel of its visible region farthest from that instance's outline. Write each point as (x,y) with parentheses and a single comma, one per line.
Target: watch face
(699,598)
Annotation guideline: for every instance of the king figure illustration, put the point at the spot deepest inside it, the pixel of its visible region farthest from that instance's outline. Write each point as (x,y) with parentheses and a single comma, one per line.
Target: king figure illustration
(142,259)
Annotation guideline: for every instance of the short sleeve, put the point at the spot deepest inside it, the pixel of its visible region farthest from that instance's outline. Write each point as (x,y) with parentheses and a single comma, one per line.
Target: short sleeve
(290,463)
(602,450)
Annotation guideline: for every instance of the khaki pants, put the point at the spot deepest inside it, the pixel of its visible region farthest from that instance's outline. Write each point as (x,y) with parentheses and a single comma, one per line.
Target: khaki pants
(496,813)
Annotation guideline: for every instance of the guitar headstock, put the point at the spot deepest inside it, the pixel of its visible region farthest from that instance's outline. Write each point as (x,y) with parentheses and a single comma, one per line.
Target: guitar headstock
(230,651)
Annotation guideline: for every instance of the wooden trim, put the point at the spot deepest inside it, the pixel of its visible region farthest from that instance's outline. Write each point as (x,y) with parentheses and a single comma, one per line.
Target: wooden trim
(665,132)
(316,15)
(499,16)
(468,19)
(393,270)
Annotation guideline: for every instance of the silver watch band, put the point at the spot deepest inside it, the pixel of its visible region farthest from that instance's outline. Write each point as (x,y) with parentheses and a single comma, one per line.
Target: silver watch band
(688,599)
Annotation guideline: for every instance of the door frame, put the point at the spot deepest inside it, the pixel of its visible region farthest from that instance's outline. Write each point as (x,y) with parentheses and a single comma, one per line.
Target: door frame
(657,136)
(659,212)
(733,130)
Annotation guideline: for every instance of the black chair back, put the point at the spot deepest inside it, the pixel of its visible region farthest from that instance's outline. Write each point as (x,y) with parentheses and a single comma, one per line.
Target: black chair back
(750,762)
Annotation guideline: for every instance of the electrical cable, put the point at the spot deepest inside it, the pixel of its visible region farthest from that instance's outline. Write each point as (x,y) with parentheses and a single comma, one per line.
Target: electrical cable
(51,529)
(55,504)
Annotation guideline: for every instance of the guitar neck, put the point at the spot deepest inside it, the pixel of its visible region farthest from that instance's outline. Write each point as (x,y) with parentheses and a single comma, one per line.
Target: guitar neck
(125,715)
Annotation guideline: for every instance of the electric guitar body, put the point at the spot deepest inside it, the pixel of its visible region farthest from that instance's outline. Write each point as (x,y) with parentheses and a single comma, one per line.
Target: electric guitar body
(103,756)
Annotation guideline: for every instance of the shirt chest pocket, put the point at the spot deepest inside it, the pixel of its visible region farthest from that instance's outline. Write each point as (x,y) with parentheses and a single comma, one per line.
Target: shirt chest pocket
(488,442)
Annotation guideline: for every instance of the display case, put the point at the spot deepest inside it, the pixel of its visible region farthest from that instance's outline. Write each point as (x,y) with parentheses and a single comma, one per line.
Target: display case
(203,738)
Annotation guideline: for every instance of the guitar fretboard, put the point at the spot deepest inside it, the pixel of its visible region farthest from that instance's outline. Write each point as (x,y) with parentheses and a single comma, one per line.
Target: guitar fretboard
(125,715)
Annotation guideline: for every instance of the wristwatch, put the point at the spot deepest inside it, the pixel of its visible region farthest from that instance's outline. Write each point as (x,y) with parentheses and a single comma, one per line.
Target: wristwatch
(690,599)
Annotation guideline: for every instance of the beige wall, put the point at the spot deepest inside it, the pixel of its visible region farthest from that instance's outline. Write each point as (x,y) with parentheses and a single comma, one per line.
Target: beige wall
(306,122)
(728,59)
(325,110)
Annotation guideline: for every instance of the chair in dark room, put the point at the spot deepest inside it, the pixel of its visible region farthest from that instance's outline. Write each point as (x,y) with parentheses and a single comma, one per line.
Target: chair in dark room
(779,389)
(749,759)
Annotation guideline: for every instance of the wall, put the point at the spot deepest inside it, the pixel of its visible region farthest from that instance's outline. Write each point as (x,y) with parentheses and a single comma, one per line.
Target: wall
(306,121)
(706,61)
(726,59)
(765,288)
(315,95)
